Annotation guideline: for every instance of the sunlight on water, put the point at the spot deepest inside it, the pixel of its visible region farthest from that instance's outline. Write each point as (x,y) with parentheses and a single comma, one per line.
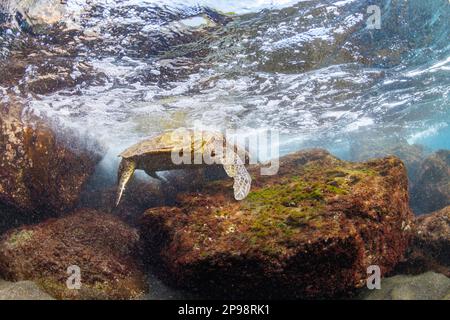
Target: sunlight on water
(309,69)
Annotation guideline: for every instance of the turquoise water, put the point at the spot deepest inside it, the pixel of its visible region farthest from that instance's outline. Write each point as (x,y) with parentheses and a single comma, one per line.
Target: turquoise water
(438,140)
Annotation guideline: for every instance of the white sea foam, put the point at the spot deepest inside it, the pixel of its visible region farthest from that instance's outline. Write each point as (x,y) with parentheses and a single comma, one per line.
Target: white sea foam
(264,80)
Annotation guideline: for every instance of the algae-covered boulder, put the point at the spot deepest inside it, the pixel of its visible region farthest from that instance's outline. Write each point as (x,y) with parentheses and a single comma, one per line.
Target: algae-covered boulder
(430,249)
(433,235)
(104,248)
(426,286)
(431,192)
(40,172)
(309,231)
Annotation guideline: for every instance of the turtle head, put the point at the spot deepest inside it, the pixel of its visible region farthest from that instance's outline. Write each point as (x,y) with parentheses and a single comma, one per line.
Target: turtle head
(126,171)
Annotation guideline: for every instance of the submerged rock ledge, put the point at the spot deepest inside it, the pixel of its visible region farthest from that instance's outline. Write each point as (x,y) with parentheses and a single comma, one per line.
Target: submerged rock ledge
(39,172)
(431,192)
(103,247)
(310,231)
(430,249)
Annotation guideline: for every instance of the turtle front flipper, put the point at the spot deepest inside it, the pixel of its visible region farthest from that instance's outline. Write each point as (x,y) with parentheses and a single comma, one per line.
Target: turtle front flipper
(234,167)
(126,170)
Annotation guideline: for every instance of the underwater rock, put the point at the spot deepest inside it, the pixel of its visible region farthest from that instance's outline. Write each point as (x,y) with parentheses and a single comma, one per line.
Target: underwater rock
(431,192)
(412,155)
(177,35)
(433,235)
(144,193)
(13,218)
(138,197)
(310,231)
(40,172)
(22,290)
(430,249)
(104,248)
(192,180)
(427,286)
(47,70)
(35,13)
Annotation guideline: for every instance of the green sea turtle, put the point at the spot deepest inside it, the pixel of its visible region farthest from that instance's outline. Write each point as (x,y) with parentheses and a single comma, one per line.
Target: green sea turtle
(158,154)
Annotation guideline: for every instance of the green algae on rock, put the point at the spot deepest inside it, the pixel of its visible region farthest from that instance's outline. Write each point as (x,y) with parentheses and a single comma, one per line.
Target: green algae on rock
(310,231)
(19,238)
(104,248)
